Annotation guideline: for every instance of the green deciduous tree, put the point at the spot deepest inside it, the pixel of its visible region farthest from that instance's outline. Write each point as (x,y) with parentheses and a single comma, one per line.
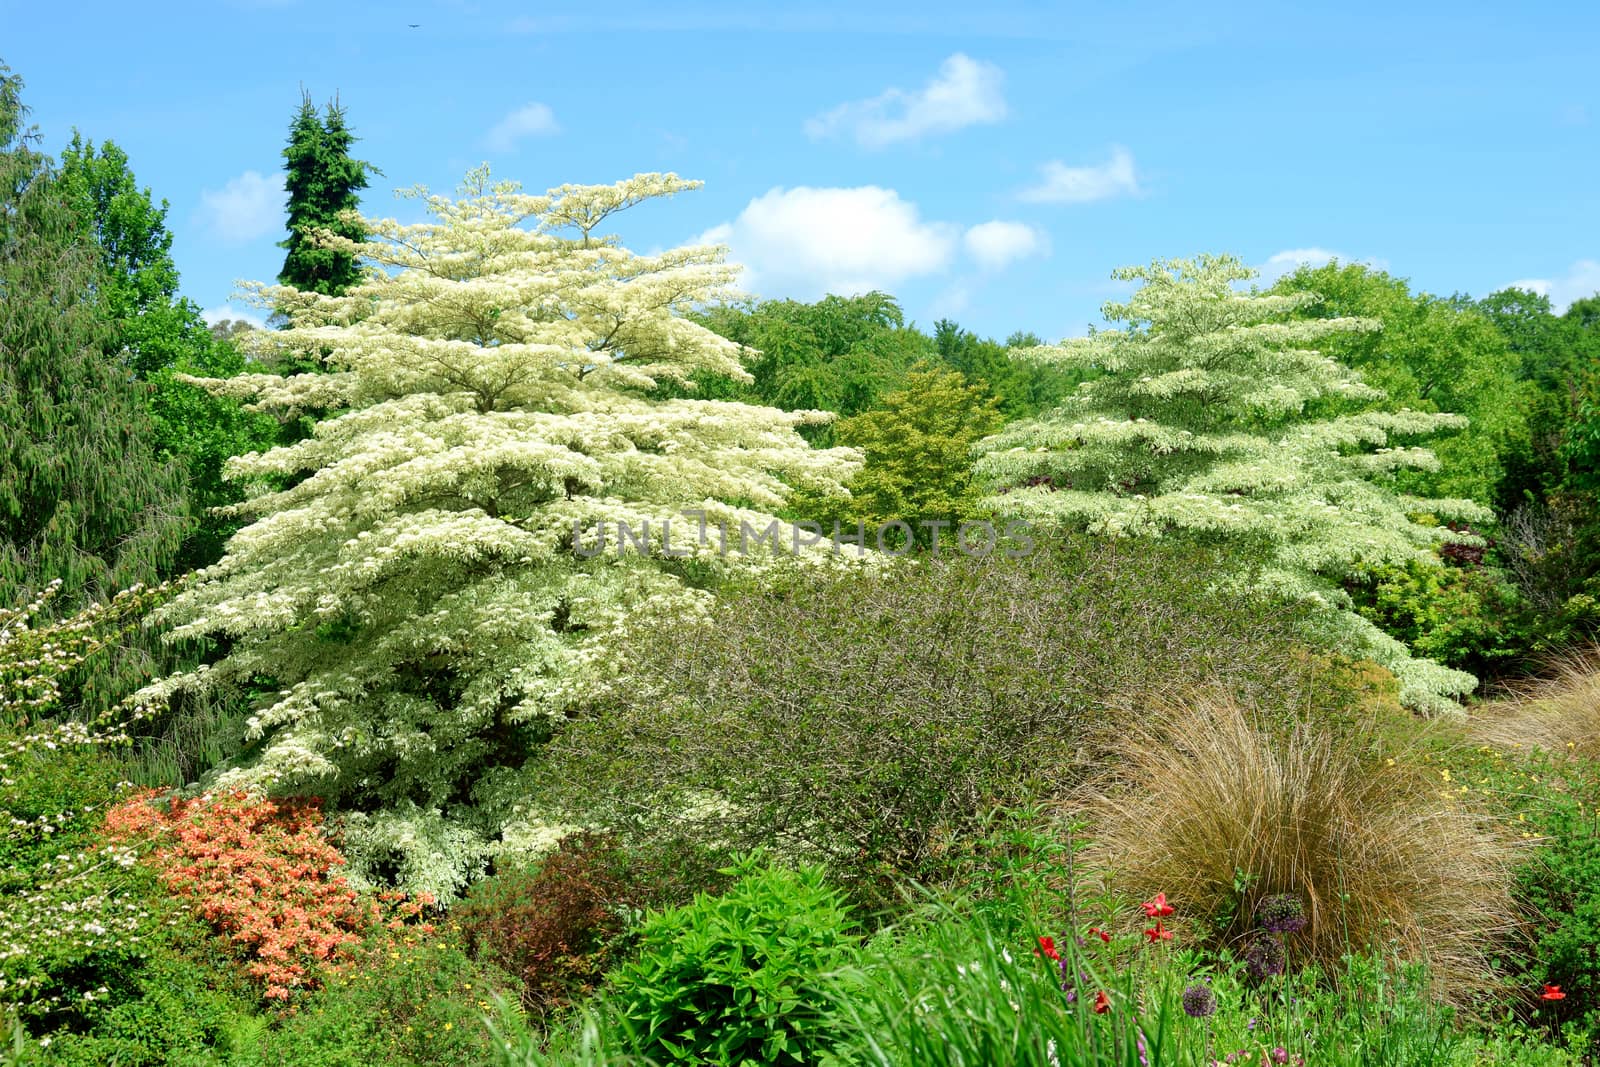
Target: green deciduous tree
(324,183)
(917,445)
(85,495)
(1022,388)
(412,592)
(838,354)
(1431,355)
(1199,424)
(158,335)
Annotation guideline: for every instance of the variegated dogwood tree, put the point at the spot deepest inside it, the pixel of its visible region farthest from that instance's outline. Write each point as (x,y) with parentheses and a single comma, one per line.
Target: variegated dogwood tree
(1196,421)
(412,590)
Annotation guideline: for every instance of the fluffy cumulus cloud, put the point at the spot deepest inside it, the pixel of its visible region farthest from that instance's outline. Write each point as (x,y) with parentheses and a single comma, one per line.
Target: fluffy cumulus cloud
(965,92)
(529,120)
(805,242)
(1581,280)
(996,245)
(247,207)
(1061,184)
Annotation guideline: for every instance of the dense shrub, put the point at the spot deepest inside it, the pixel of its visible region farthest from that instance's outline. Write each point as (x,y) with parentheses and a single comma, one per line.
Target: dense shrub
(863,719)
(175,1006)
(417,1005)
(549,923)
(1469,617)
(262,873)
(737,978)
(1222,810)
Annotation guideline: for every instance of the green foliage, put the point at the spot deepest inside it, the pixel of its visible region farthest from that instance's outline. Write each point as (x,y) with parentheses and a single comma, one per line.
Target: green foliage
(869,719)
(839,354)
(173,1006)
(1431,355)
(324,184)
(738,978)
(1020,389)
(85,495)
(160,336)
(1203,421)
(421,1005)
(917,445)
(1468,617)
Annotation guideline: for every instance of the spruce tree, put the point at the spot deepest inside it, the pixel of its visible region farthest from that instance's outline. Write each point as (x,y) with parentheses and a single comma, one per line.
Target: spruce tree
(1198,424)
(323,181)
(84,494)
(411,583)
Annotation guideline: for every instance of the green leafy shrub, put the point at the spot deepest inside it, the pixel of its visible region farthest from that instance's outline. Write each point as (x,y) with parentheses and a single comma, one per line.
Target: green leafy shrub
(736,978)
(1468,617)
(177,1006)
(418,1004)
(866,720)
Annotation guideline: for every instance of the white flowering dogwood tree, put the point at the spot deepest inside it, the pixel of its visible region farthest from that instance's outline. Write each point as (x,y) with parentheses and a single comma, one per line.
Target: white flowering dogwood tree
(413,589)
(1197,421)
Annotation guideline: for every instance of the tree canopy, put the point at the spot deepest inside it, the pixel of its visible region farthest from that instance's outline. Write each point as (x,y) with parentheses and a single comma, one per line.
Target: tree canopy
(417,593)
(85,495)
(1200,423)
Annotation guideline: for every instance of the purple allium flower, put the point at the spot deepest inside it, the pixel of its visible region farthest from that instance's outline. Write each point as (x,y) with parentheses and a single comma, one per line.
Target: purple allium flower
(1264,957)
(1281,913)
(1199,1001)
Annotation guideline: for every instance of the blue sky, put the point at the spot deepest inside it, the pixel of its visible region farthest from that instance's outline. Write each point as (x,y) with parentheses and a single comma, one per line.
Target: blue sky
(989,163)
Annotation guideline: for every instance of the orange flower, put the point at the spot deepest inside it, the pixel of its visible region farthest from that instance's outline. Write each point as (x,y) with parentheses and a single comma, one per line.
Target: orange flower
(1102,1003)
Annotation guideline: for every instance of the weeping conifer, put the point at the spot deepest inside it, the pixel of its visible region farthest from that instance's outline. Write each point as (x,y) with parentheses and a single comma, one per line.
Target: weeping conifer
(84,495)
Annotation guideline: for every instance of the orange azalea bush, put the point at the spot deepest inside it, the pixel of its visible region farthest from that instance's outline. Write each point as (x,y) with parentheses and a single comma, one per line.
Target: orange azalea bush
(264,874)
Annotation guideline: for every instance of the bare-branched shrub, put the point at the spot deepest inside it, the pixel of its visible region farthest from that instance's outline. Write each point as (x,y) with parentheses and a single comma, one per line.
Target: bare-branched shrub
(863,719)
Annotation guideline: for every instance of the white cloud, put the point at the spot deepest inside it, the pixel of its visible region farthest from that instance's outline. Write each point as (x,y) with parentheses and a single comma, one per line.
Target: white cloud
(805,242)
(1081,185)
(997,244)
(222,312)
(966,92)
(1582,279)
(529,120)
(248,207)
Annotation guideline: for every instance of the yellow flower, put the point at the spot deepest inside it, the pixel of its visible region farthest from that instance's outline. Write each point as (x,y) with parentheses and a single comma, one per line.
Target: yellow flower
(448,1025)
(1445,774)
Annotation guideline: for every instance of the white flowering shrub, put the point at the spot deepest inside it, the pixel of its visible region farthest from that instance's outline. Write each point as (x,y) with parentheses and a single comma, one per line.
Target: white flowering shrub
(409,591)
(1196,422)
(76,913)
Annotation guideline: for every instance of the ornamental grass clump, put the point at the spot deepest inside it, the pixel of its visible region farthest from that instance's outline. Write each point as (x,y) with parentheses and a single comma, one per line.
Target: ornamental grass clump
(1209,797)
(1559,712)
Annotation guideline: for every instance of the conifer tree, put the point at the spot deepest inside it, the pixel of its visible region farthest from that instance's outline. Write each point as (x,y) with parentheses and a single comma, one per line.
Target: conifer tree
(417,594)
(324,182)
(1197,423)
(84,495)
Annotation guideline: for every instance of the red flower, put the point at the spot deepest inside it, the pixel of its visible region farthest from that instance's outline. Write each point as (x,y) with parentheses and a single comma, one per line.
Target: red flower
(1552,992)
(1102,1003)
(1157,908)
(1095,931)
(1047,945)
(1158,933)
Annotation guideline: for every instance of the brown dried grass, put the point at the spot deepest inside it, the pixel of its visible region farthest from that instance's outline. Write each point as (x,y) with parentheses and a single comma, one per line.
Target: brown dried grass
(1206,791)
